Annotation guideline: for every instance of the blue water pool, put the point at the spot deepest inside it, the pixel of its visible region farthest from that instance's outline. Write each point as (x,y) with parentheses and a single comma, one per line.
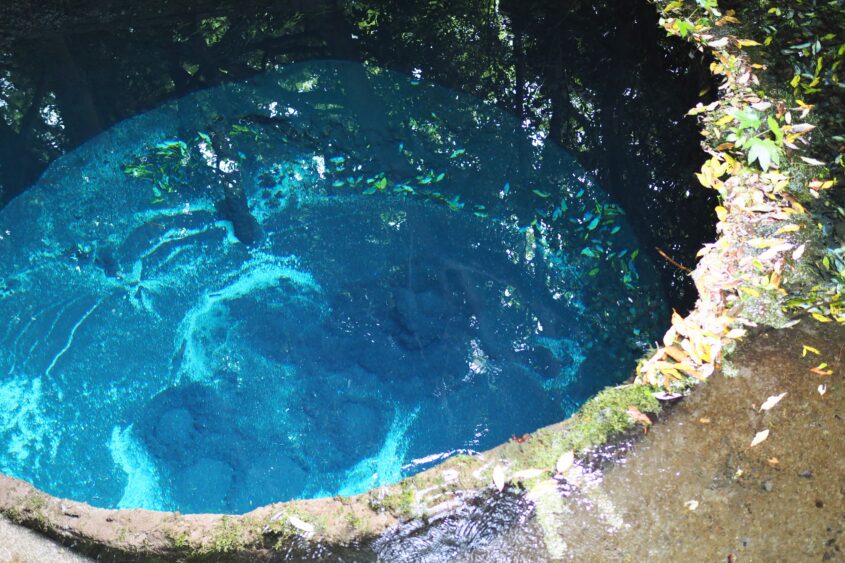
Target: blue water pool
(307,284)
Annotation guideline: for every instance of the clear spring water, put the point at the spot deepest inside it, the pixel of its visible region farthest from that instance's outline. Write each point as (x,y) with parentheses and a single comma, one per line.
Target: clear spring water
(307,284)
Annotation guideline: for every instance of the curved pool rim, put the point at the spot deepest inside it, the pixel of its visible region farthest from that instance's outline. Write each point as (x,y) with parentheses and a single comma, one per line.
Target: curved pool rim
(298,528)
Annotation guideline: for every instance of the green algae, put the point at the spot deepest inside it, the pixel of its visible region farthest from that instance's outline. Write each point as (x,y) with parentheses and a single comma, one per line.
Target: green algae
(399,501)
(601,418)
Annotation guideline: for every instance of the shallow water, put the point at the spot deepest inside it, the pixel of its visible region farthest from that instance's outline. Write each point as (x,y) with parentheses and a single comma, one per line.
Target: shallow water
(306,284)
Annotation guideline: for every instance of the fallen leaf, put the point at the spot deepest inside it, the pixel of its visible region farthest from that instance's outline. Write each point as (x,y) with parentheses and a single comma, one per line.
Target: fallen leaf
(736,333)
(765,242)
(565,462)
(639,417)
(301,525)
(771,401)
(675,353)
(704,420)
(773,461)
(499,477)
(798,252)
(821,318)
(759,437)
(822,389)
(821,369)
(691,505)
(805,349)
(802,127)
(812,161)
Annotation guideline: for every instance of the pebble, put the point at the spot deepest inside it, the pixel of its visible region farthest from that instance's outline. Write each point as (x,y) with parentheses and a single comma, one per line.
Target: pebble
(768,486)
(806,474)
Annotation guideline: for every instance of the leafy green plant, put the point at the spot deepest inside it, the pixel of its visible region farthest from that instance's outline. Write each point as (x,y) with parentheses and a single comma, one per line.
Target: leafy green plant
(762,143)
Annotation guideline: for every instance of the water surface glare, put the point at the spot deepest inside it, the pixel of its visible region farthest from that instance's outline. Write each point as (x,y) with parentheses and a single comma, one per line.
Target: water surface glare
(310,283)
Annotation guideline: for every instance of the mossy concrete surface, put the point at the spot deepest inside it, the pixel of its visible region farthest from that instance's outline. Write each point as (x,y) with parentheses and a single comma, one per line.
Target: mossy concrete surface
(526,463)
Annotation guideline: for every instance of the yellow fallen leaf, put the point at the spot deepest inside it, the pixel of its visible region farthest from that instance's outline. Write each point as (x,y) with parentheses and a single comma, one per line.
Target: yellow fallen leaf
(765,242)
(821,369)
(690,370)
(724,120)
(806,349)
(675,353)
(771,402)
(819,185)
(821,318)
(759,437)
(747,43)
(788,229)
(750,291)
(704,420)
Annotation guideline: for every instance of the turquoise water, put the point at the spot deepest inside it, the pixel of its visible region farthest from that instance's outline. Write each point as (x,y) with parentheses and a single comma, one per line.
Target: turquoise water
(311,283)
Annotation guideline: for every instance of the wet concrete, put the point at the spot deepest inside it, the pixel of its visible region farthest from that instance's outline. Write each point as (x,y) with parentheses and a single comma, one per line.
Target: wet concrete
(695,490)
(21,545)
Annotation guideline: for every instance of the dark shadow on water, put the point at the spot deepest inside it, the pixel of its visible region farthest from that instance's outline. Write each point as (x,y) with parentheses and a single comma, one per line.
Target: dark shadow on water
(598,77)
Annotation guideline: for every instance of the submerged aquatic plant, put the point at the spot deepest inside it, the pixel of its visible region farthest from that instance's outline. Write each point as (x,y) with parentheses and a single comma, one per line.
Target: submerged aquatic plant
(163,165)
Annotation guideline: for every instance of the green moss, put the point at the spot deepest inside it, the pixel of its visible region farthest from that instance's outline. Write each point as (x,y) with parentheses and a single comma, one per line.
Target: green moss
(280,526)
(598,420)
(765,309)
(36,502)
(355,521)
(14,514)
(462,459)
(180,539)
(400,500)
(228,537)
